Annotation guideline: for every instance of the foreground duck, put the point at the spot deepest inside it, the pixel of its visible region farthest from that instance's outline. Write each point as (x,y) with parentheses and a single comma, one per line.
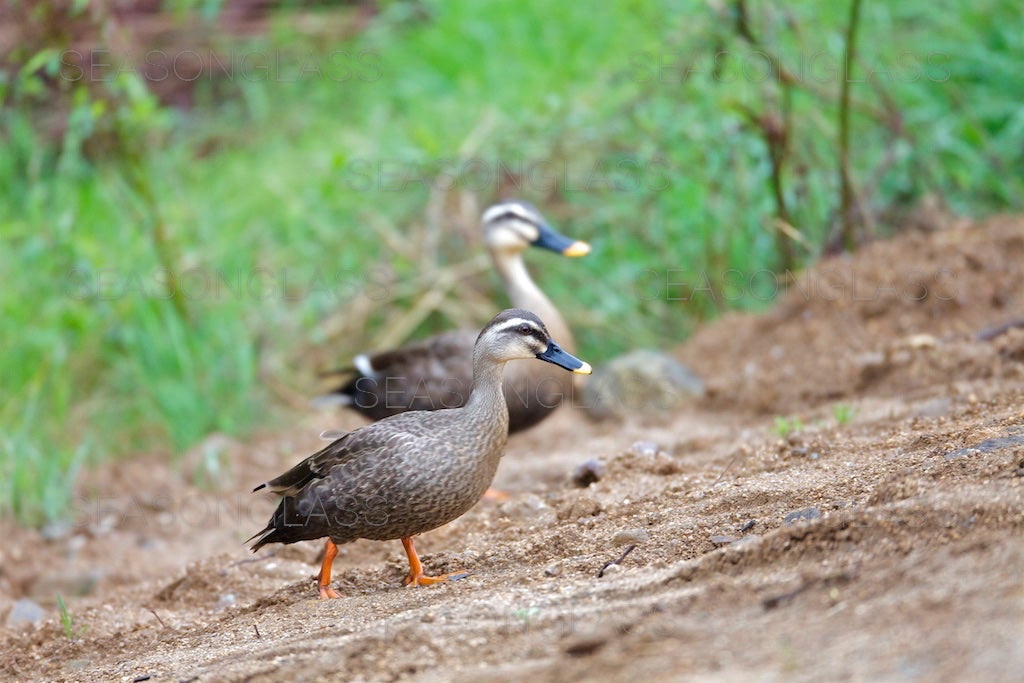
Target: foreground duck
(415,471)
(437,372)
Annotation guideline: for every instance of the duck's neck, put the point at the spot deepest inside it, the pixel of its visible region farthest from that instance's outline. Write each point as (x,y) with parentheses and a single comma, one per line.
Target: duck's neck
(524,293)
(486,396)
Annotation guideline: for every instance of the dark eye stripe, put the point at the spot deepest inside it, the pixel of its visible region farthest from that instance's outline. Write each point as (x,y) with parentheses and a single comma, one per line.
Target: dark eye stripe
(509,214)
(516,326)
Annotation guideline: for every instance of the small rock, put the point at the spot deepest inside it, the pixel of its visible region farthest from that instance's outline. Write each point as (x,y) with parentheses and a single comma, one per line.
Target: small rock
(802,515)
(57,530)
(645,449)
(583,645)
(226,600)
(723,539)
(527,506)
(587,473)
(921,341)
(641,381)
(24,613)
(610,570)
(628,536)
(583,506)
(553,570)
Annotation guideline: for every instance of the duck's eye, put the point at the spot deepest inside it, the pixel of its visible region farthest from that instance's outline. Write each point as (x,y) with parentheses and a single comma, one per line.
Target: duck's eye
(524,329)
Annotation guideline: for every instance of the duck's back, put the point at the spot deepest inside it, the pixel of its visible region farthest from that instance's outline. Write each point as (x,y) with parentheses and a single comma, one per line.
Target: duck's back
(399,477)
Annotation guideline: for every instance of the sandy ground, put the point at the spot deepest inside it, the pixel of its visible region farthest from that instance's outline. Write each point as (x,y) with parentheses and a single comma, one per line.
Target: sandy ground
(885,543)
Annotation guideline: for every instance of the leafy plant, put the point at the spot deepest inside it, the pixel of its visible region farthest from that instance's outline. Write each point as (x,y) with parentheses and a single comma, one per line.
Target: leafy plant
(843,413)
(784,426)
(67,622)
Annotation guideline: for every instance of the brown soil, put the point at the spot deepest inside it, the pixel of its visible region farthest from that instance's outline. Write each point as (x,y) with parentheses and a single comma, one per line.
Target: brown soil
(902,556)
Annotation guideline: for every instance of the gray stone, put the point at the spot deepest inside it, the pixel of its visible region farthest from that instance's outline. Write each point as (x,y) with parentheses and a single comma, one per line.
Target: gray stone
(639,382)
(586,473)
(645,449)
(24,613)
(802,515)
(628,536)
(527,507)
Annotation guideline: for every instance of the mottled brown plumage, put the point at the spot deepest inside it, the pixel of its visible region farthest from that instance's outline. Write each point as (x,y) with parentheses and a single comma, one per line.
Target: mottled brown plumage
(415,471)
(436,373)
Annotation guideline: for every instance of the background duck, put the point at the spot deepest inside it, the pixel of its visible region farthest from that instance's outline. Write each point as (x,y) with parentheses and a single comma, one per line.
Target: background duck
(437,372)
(415,471)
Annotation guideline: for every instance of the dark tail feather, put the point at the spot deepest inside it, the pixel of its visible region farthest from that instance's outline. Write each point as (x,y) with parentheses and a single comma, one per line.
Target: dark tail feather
(288,525)
(273,532)
(266,535)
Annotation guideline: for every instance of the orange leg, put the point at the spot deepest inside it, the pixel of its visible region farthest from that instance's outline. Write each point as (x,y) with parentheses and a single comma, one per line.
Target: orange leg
(497,495)
(324,580)
(415,576)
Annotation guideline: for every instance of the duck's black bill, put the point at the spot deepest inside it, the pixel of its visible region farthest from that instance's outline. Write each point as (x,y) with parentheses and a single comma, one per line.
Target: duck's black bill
(549,239)
(563,359)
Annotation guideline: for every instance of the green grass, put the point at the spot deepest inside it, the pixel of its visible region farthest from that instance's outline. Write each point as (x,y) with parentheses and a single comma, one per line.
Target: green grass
(663,174)
(784,426)
(67,622)
(843,413)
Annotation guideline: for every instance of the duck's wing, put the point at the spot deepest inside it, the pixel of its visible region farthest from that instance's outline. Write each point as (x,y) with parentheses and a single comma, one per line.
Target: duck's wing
(432,374)
(367,442)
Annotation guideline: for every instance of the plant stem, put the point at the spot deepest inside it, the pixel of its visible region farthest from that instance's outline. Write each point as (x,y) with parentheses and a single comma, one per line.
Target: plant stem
(846,193)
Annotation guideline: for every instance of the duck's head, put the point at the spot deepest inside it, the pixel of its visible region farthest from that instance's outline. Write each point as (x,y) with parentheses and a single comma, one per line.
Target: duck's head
(517,333)
(515,225)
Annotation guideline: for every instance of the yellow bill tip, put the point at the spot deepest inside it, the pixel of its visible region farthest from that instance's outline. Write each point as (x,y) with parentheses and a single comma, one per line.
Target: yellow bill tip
(576,249)
(584,369)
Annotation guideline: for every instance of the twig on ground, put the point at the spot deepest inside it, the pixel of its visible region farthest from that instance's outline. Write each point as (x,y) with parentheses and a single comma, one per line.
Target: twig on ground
(995,331)
(611,562)
(153,612)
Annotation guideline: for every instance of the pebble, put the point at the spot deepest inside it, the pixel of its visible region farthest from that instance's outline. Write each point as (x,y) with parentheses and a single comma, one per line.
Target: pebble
(587,473)
(628,536)
(553,570)
(643,381)
(723,539)
(583,645)
(226,600)
(583,506)
(610,570)
(57,530)
(801,515)
(645,449)
(24,613)
(528,506)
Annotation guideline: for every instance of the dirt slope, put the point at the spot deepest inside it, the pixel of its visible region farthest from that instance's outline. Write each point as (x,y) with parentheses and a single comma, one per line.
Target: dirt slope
(887,545)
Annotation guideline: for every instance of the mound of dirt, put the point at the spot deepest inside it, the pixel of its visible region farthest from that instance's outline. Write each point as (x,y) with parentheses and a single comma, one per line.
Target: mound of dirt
(897,316)
(877,532)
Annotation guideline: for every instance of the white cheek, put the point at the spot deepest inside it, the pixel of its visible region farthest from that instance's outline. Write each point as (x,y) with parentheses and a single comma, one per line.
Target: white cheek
(505,239)
(529,231)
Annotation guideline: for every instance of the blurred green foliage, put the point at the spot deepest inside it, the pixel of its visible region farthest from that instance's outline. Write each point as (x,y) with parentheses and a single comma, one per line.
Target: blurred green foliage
(164,267)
